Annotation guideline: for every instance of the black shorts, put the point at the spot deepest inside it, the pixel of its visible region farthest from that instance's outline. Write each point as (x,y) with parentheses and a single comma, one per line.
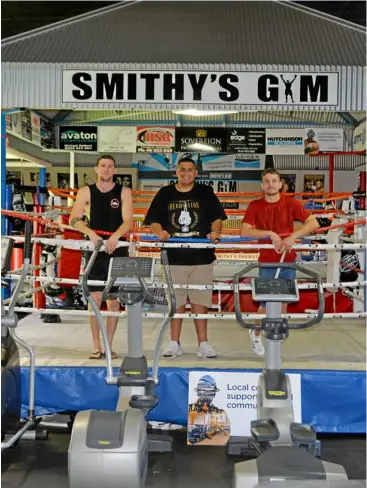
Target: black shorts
(99,272)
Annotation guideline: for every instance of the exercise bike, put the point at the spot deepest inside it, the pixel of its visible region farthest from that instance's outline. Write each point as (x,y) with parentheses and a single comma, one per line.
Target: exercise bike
(11,424)
(285,450)
(110,448)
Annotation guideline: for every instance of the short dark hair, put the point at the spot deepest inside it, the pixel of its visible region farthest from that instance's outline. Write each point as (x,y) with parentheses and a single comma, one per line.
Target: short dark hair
(186,160)
(106,156)
(270,171)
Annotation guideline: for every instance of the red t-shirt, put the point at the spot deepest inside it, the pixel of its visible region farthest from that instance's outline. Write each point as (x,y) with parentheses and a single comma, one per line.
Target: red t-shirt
(278,217)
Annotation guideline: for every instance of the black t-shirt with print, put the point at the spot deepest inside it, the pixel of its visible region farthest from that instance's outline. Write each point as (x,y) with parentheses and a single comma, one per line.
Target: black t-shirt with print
(189,215)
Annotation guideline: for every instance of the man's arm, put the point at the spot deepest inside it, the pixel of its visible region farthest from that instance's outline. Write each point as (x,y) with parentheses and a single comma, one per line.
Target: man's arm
(248,230)
(216,227)
(309,226)
(77,214)
(127,212)
(158,230)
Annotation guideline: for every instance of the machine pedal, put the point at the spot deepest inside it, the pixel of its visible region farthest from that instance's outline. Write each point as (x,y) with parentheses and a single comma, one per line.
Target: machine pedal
(241,446)
(143,402)
(264,430)
(304,436)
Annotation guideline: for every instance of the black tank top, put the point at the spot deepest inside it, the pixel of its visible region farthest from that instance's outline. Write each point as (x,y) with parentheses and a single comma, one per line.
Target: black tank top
(105,209)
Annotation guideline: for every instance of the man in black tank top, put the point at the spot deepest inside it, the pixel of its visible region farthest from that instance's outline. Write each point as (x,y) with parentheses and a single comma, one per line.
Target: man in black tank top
(110,208)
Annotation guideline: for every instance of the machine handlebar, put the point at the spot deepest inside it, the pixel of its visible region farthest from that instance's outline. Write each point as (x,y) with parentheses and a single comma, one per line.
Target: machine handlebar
(296,267)
(89,267)
(27,240)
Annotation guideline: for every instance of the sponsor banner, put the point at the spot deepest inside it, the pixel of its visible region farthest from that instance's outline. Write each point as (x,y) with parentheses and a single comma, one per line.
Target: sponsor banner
(16,124)
(209,166)
(26,124)
(8,122)
(155,139)
(318,140)
(200,139)
(47,134)
(284,141)
(36,128)
(152,185)
(246,141)
(78,138)
(116,139)
(181,87)
(219,401)
(359,138)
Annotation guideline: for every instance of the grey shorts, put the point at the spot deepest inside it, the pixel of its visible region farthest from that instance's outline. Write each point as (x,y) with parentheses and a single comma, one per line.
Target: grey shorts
(193,275)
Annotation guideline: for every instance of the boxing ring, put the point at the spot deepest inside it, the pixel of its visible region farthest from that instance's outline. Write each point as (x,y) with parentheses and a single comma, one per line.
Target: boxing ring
(329,357)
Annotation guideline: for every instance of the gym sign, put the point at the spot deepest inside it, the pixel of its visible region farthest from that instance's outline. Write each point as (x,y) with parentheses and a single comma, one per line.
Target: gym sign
(232,88)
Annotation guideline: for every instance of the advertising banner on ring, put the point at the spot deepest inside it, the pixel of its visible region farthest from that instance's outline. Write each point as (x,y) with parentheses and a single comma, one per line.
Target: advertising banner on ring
(320,139)
(246,141)
(210,166)
(36,128)
(284,141)
(200,139)
(78,138)
(47,134)
(155,139)
(216,88)
(8,122)
(219,402)
(112,138)
(359,138)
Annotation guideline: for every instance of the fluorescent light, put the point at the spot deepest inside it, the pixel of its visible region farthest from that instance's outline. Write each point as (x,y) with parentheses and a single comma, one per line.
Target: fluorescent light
(202,113)
(198,146)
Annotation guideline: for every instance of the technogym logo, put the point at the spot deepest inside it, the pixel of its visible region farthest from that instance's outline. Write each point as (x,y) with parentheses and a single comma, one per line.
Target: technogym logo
(74,138)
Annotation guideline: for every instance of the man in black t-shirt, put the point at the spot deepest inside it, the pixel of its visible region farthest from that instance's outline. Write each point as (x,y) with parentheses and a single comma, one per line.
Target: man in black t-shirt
(188,210)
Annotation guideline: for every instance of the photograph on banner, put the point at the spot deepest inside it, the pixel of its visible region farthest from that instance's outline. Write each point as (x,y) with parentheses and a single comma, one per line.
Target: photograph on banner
(155,139)
(16,123)
(284,141)
(35,179)
(288,183)
(36,128)
(63,181)
(313,184)
(223,404)
(123,180)
(26,124)
(88,179)
(246,141)
(47,134)
(204,139)
(318,140)
(359,138)
(112,138)
(78,138)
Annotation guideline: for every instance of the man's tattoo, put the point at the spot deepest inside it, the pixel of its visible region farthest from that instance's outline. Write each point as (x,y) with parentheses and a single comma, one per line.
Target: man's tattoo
(74,221)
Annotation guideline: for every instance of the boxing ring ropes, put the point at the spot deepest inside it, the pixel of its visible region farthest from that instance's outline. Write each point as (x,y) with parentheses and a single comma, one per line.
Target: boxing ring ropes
(66,383)
(139,241)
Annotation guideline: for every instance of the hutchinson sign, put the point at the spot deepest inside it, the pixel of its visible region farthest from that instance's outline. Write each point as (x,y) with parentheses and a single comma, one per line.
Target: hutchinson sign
(183,87)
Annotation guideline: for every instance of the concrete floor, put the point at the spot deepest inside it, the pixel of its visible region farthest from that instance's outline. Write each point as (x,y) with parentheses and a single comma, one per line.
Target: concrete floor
(338,344)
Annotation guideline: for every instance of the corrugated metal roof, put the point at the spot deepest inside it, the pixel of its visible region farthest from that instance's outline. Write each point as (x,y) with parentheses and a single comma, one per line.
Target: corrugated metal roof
(269,32)
(295,118)
(341,163)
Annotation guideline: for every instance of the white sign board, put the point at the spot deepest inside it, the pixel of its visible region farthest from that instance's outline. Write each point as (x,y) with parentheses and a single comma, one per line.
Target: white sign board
(284,141)
(232,405)
(116,139)
(182,87)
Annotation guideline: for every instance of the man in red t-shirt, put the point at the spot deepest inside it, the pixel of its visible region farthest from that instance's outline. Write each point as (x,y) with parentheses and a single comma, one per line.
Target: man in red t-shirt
(267,218)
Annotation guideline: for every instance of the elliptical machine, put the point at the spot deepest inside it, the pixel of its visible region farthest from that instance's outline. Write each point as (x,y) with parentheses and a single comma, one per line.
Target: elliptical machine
(286,450)
(111,448)
(10,367)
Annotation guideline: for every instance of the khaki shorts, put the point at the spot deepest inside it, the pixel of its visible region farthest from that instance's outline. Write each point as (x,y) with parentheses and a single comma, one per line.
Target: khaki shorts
(193,275)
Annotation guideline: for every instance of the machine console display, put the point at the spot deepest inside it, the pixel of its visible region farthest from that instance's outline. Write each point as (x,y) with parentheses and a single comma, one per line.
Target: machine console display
(7,244)
(128,269)
(274,290)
